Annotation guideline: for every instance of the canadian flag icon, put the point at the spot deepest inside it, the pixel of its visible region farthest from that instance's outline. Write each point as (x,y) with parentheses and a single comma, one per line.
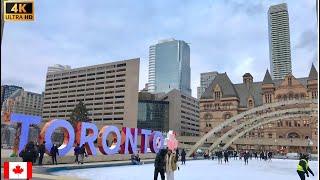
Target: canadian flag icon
(17,170)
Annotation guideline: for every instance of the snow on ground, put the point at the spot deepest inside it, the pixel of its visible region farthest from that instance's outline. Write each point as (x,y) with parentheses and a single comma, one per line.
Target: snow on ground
(201,169)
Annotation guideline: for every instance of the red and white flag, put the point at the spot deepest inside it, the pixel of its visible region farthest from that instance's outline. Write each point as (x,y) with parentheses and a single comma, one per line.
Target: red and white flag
(17,170)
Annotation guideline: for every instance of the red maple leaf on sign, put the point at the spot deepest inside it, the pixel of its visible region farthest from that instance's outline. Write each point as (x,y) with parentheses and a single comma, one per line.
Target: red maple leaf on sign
(17,170)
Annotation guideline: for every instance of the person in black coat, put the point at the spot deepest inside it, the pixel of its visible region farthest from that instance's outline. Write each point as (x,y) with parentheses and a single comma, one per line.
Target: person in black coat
(160,164)
(246,157)
(42,150)
(226,156)
(29,153)
(83,153)
(54,152)
(76,153)
(183,156)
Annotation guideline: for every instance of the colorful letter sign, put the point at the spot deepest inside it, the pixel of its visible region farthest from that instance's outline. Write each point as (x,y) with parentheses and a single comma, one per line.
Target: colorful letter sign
(86,133)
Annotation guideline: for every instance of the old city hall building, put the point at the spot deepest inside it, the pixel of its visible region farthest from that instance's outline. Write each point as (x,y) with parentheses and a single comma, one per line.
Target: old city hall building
(223,99)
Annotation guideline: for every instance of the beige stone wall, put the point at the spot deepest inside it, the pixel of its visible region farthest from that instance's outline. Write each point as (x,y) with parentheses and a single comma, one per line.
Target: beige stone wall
(109,91)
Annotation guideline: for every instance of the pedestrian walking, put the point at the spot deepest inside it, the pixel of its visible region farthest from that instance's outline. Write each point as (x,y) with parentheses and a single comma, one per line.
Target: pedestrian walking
(303,167)
(82,153)
(246,158)
(177,154)
(29,153)
(226,156)
(171,164)
(42,150)
(183,157)
(160,165)
(54,152)
(235,153)
(220,156)
(270,156)
(76,153)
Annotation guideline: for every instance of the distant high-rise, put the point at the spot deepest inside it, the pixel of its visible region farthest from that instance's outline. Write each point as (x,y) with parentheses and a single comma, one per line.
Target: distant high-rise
(57,68)
(279,41)
(205,80)
(169,66)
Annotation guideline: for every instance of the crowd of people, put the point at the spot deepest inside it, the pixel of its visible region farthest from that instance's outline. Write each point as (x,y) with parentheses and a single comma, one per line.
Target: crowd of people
(224,156)
(35,152)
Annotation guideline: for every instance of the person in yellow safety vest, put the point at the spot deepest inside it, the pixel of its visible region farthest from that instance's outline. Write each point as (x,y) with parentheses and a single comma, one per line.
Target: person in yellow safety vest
(303,167)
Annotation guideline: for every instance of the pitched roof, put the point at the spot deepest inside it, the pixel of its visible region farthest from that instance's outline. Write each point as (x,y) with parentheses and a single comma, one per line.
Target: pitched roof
(313,75)
(241,90)
(227,88)
(267,78)
(255,91)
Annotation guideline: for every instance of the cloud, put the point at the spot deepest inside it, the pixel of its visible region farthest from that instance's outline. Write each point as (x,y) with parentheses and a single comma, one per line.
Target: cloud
(224,36)
(308,40)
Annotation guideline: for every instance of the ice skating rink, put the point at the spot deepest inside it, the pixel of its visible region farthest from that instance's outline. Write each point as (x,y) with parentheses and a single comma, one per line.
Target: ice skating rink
(201,169)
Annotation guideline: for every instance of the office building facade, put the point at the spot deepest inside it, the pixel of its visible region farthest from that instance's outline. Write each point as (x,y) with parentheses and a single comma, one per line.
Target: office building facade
(25,102)
(109,91)
(183,113)
(279,41)
(7,91)
(205,80)
(169,67)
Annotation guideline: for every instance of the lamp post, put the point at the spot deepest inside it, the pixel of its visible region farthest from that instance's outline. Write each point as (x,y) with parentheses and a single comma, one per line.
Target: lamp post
(310,143)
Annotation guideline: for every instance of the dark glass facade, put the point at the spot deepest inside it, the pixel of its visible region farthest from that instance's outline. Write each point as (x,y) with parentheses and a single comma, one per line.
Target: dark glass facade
(153,115)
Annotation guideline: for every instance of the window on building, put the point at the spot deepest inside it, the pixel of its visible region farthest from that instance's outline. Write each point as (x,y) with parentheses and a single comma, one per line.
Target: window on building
(250,103)
(314,94)
(290,81)
(268,98)
(217,94)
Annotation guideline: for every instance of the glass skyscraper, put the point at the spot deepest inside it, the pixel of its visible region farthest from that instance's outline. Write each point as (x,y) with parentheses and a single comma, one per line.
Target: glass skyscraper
(169,66)
(279,41)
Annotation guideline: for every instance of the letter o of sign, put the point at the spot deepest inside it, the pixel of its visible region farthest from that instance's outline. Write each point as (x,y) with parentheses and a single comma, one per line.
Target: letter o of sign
(156,141)
(68,132)
(102,139)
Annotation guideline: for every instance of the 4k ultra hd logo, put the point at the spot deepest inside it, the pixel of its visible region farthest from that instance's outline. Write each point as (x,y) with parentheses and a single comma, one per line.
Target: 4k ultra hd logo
(18,10)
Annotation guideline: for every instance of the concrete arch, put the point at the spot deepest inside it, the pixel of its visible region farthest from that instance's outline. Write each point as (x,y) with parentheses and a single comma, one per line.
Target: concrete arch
(257,125)
(277,114)
(252,112)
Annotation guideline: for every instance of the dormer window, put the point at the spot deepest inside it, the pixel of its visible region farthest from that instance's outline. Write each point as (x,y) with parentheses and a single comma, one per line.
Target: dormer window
(217,92)
(217,95)
(250,103)
(290,81)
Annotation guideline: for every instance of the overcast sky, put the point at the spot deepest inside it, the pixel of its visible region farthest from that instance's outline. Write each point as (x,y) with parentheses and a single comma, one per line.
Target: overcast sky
(224,35)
